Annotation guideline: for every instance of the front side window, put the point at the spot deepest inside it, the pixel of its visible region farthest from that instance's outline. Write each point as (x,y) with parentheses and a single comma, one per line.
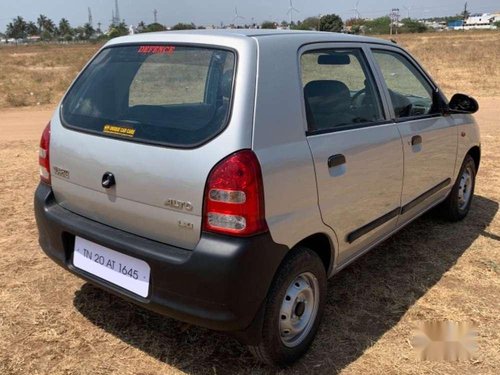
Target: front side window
(411,94)
(165,94)
(339,90)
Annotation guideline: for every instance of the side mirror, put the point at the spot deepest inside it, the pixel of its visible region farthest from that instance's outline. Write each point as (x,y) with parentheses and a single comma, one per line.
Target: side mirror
(461,103)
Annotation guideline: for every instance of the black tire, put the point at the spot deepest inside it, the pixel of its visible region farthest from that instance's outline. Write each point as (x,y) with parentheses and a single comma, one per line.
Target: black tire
(272,349)
(453,208)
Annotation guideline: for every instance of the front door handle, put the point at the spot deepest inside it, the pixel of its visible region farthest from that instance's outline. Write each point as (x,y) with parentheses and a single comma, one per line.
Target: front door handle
(336,160)
(416,140)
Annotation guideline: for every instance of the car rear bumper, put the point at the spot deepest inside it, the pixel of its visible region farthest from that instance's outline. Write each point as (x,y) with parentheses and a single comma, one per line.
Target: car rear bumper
(220,285)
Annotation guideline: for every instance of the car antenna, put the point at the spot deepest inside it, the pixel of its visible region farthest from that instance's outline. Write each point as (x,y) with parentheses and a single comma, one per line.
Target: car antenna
(394,41)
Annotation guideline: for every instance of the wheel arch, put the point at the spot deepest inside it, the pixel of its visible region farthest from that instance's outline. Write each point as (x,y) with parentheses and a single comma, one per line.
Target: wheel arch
(322,245)
(475,153)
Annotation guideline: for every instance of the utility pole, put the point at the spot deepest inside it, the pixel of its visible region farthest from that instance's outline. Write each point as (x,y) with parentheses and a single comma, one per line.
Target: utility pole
(117,12)
(155,15)
(397,20)
(465,16)
(394,16)
(408,9)
(91,23)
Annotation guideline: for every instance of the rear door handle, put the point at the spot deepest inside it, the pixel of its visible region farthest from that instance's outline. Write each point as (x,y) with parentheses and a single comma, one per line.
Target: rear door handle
(336,160)
(416,140)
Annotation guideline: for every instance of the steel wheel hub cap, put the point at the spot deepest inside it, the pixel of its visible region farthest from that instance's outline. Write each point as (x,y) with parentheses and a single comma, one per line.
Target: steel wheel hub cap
(299,309)
(465,188)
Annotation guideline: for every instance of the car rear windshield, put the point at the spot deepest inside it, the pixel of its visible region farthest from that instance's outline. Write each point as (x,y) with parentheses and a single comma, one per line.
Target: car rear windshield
(172,95)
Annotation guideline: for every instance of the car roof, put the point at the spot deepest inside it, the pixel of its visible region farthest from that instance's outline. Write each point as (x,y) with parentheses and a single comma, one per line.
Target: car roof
(297,35)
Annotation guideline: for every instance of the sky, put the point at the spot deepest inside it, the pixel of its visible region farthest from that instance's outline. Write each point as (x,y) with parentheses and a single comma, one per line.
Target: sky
(213,12)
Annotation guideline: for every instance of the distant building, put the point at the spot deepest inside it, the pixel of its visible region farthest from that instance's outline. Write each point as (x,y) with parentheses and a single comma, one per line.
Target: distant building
(436,25)
(481,21)
(455,24)
(33,38)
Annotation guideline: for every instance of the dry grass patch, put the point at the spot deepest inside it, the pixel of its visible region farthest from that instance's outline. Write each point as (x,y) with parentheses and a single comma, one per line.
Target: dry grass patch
(459,61)
(467,62)
(38,75)
(53,323)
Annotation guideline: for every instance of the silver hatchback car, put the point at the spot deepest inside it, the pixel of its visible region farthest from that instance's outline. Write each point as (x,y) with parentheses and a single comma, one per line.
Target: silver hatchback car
(221,177)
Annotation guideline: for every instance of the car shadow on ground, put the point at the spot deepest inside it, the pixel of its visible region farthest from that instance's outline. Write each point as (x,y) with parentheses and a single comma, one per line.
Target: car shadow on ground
(364,301)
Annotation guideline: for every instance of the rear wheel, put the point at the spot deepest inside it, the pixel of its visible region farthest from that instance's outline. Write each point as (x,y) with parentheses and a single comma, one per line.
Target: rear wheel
(457,205)
(293,310)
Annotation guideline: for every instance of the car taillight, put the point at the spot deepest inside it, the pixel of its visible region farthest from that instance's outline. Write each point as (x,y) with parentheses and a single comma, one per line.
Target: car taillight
(43,155)
(234,196)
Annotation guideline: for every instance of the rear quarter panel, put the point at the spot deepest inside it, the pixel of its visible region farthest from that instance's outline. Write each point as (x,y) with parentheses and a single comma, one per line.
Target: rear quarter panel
(279,140)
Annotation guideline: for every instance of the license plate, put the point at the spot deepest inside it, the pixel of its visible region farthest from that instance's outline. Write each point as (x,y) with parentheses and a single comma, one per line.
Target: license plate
(125,271)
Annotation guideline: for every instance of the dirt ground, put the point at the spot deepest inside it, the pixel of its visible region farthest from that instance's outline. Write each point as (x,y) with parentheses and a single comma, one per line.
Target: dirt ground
(53,323)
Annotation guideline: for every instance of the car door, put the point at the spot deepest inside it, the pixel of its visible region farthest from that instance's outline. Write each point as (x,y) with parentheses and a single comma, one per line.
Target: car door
(429,137)
(356,149)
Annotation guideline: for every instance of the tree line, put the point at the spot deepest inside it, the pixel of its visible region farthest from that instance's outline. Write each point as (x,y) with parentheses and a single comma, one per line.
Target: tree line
(47,30)
(328,22)
(382,25)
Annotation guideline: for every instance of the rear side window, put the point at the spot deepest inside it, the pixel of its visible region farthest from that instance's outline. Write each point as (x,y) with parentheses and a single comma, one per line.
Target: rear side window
(178,96)
(339,90)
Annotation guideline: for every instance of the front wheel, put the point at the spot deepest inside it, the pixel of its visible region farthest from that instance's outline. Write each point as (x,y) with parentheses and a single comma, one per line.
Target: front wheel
(293,309)
(457,205)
